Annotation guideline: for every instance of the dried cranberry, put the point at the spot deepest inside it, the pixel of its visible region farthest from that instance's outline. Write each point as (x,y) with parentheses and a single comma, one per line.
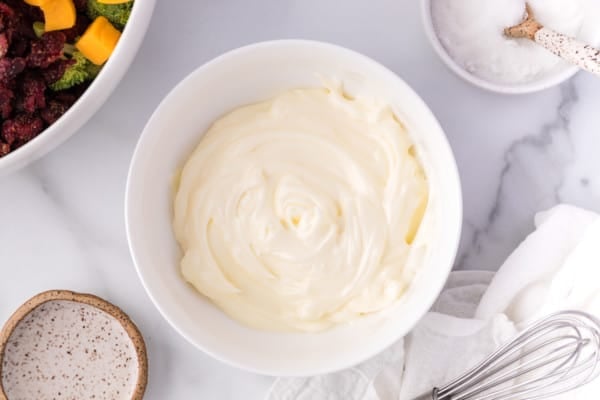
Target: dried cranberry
(34,13)
(29,64)
(6,12)
(53,111)
(10,68)
(46,50)
(4,148)
(56,70)
(3,44)
(67,97)
(31,96)
(25,10)
(23,27)
(6,97)
(22,128)
(80,6)
(81,25)
(19,47)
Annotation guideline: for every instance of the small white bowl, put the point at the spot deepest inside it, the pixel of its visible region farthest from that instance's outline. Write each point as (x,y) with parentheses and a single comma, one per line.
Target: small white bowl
(246,75)
(545,82)
(92,99)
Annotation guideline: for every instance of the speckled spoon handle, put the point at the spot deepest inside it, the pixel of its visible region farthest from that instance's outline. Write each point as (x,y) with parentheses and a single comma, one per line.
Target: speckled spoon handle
(570,49)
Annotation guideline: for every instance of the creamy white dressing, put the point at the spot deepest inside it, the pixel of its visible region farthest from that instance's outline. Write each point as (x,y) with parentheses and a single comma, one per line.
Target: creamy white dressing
(299,213)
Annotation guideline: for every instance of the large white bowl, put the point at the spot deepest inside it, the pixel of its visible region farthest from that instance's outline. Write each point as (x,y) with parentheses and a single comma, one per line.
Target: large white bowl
(243,76)
(92,98)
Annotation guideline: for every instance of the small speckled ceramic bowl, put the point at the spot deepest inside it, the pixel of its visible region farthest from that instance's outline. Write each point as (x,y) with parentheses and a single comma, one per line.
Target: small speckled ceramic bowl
(62,344)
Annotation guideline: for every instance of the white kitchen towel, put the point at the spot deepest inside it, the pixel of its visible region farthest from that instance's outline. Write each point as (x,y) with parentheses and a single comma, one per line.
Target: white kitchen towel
(556,267)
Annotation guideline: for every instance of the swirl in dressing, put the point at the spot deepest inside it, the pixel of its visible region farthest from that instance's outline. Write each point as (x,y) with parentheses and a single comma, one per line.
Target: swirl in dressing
(299,213)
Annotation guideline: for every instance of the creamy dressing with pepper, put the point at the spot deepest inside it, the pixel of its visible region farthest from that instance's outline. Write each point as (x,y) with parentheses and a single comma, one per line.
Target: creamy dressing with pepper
(299,213)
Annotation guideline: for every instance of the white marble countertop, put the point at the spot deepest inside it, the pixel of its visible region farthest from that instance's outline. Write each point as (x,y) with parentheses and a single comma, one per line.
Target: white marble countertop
(62,222)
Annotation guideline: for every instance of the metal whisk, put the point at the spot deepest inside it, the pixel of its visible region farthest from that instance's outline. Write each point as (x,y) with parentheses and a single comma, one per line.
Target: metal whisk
(553,356)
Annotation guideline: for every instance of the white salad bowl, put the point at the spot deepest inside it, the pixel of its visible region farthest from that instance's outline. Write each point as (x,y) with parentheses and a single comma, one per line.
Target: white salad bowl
(561,73)
(249,74)
(93,98)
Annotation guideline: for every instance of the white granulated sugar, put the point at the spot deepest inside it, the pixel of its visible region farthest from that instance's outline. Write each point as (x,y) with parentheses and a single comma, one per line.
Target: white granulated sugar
(471,31)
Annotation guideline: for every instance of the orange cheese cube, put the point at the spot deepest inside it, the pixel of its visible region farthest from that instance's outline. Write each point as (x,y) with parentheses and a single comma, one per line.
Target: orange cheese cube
(98,41)
(58,14)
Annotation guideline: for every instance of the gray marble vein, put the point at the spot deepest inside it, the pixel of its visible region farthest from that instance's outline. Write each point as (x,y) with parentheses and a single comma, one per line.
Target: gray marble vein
(61,219)
(531,175)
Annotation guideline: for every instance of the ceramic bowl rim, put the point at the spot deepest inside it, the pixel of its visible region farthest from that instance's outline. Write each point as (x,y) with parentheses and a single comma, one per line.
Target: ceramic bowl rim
(92,98)
(91,300)
(534,86)
(134,182)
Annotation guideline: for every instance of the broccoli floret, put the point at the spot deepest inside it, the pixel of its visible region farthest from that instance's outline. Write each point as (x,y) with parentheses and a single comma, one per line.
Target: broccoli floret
(39,28)
(93,70)
(81,71)
(69,48)
(117,14)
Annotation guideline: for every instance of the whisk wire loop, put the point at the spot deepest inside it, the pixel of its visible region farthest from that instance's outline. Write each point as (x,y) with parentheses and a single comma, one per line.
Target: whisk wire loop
(525,368)
(553,356)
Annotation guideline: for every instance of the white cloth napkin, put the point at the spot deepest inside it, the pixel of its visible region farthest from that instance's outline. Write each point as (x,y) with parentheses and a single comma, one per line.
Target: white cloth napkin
(557,267)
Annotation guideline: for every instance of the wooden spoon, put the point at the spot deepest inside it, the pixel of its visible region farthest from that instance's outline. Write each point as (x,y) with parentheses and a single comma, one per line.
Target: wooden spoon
(568,48)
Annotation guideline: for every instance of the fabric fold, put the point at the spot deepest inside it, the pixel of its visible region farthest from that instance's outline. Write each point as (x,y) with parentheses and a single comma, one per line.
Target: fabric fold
(557,267)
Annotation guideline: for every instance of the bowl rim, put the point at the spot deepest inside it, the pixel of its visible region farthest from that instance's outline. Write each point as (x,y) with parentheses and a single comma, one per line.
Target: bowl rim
(427,299)
(91,300)
(94,96)
(538,85)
